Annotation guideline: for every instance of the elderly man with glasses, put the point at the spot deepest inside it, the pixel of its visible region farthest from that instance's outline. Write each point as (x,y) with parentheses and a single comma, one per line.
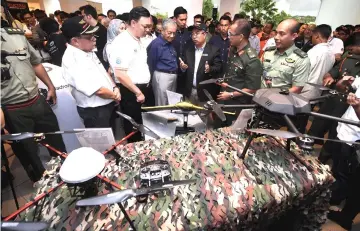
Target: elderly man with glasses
(162,61)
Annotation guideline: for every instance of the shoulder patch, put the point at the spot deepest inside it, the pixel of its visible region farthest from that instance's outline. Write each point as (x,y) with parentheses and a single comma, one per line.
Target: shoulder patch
(300,53)
(10,30)
(251,53)
(270,48)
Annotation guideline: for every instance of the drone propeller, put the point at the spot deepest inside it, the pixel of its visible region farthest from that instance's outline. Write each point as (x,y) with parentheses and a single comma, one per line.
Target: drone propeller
(123,195)
(140,127)
(289,135)
(27,135)
(20,226)
(215,107)
(217,81)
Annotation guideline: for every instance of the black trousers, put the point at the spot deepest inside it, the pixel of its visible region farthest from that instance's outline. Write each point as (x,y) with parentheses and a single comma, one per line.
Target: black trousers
(345,166)
(352,205)
(332,106)
(37,118)
(132,108)
(97,117)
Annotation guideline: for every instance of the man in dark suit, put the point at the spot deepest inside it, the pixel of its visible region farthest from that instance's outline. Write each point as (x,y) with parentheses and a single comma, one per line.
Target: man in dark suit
(200,62)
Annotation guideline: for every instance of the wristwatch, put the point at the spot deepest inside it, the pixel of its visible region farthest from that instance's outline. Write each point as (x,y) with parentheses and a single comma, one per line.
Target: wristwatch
(232,95)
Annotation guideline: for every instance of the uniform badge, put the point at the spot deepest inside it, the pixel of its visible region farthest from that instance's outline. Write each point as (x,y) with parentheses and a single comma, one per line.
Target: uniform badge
(118,61)
(205,55)
(290,60)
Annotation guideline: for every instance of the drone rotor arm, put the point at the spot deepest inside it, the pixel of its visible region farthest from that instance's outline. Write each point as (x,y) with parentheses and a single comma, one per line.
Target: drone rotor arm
(346,121)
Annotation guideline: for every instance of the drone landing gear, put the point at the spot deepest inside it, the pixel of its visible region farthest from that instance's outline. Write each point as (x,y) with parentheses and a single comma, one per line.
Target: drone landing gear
(84,190)
(252,135)
(185,129)
(127,216)
(8,174)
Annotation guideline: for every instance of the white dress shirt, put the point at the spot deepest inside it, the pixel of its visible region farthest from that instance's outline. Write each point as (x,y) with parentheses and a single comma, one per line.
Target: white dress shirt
(336,45)
(255,43)
(148,39)
(322,60)
(348,132)
(129,54)
(198,55)
(84,72)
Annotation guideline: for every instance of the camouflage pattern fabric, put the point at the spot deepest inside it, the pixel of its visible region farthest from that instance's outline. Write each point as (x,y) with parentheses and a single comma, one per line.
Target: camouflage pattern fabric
(230,194)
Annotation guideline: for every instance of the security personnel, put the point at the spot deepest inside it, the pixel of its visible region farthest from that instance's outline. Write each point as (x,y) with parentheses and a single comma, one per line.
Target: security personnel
(25,110)
(285,65)
(244,64)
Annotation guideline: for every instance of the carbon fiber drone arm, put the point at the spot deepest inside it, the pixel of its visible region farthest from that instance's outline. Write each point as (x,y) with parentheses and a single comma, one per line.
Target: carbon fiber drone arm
(351,122)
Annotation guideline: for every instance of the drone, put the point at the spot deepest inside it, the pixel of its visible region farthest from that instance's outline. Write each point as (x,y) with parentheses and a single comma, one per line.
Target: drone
(280,103)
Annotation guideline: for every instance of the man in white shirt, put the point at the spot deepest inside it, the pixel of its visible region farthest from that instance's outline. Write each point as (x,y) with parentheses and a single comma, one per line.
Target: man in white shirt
(128,59)
(321,58)
(150,34)
(254,39)
(347,170)
(337,47)
(92,87)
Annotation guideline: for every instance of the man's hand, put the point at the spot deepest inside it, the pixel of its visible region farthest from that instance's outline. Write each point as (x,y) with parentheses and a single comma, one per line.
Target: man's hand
(117,94)
(328,80)
(345,83)
(224,96)
(207,67)
(353,100)
(183,66)
(140,98)
(51,95)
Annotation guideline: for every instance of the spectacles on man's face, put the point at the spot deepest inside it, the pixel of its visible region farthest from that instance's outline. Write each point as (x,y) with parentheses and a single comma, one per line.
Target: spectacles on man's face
(88,37)
(195,34)
(232,35)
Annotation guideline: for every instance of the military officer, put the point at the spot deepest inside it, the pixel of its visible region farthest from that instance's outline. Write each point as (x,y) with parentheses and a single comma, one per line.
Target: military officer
(285,65)
(244,64)
(25,110)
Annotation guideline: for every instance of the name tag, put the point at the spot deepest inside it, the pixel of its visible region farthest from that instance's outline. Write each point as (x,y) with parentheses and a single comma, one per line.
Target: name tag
(205,55)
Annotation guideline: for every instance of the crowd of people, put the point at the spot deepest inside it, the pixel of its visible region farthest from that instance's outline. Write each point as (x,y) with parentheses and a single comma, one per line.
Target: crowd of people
(121,62)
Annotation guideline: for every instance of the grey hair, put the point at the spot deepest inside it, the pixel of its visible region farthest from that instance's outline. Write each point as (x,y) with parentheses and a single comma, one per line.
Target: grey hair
(168,22)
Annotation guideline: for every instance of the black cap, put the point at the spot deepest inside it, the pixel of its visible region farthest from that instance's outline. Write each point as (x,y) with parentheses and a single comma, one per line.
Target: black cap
(76,26)
(201,26)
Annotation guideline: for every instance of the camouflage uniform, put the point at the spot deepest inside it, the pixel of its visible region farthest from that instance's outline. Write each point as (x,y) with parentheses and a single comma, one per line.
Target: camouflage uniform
(230,194)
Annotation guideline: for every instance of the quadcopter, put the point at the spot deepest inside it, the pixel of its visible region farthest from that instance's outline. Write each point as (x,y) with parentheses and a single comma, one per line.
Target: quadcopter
(280,103)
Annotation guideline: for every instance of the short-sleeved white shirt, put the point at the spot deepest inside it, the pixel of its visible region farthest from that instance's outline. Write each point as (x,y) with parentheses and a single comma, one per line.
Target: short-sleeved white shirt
(129,54)
(336,45)
(84,72)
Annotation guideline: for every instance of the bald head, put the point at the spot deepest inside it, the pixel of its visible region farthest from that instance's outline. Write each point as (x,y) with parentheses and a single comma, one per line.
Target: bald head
(291,24)
(287,32)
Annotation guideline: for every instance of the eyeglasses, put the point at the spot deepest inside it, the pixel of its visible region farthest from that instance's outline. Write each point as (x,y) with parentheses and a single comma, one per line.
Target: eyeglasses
(195,34)
(230,34)
(88,37)
(147,26)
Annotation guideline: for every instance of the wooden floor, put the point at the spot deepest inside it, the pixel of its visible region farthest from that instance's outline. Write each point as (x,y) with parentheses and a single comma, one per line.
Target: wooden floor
(24,190)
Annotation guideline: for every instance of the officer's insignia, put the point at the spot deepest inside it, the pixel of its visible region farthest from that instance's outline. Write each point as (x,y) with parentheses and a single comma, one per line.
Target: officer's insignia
(290,60)
(118,61)
(52,43)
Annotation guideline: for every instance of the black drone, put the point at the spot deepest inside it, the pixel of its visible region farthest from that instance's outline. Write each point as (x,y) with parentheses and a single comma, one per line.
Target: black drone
(280,103)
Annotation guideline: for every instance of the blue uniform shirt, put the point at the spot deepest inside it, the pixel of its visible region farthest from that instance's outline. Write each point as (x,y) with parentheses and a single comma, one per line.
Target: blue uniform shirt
(161,56)
(182,38)
(223,45)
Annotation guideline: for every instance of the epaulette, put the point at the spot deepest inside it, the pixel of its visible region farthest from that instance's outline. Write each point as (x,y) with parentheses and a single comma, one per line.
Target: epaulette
(270,48)
(300,53)
(10,30)
(251,53)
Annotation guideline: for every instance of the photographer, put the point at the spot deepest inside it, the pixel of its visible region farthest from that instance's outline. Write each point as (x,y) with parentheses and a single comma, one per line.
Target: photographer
(25,110)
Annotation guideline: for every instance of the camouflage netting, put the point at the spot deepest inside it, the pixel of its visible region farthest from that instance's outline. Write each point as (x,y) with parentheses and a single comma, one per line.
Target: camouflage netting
(229,194)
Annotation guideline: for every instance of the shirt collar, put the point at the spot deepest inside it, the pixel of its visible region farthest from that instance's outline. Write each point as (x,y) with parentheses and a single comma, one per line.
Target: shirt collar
(132,35)
(201,48)
(79,52)
(164,42)
(289,50)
